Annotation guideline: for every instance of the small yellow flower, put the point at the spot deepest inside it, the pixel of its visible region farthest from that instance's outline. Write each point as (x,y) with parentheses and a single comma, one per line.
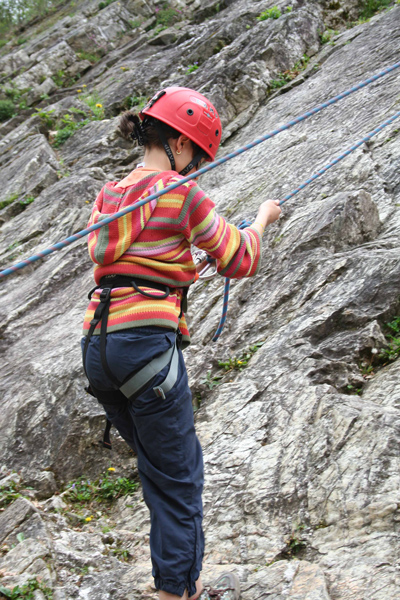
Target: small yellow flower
(88,519)
(99,106)
(84,85)
(79,91)
(111,469)
(87,201)
(240,362)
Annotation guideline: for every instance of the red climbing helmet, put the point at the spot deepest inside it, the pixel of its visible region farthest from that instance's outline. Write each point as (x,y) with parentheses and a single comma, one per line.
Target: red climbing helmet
(190,113)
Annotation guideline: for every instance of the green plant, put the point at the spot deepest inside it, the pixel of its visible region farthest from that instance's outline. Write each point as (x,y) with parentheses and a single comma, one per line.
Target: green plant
(240,363)
(105,489)
(46,117)
(121,553)
(394,132)
(21,41)
(9,492)
(294,545)
(95,104)
(105,3)
(167,16)
(13,94)
(137,102)
(286,76)
(355,390)
(67,125)
(327,35)
(59,78)
(8,200)
(134,23)
(392,352)
(210,381)
(276,240)
(282,80)
(92,57)
(192,68)
(288,9)
(371,7)
(270,13)
(7,110)
(26,201)
(26,591)
(366,369)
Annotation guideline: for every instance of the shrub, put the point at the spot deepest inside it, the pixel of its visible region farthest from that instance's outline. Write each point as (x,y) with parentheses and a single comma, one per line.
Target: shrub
(9,492)
(67,126)
(327,35)
(392,352)
(26,591)
(8,200)
(270,13)
(105,489)
(105,3)
(192,68)
(286,76)
(26,201)
(7,110)
(137,102)
(370,7)
(59,78)
(239,363)
(92,57)
(167,16)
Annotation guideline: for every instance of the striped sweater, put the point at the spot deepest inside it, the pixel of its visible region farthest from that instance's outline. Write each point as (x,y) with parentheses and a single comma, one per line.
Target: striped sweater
(154,243)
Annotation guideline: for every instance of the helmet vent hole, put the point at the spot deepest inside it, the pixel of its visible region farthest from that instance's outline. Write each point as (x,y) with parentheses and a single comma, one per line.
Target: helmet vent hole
(210,146)
(190,112)
(217,132)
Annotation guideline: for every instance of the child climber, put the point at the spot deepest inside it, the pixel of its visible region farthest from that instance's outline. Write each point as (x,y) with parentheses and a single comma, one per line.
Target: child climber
(135,325)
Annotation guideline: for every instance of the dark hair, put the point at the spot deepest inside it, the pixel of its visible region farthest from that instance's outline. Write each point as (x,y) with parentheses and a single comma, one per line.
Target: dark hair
(145,132)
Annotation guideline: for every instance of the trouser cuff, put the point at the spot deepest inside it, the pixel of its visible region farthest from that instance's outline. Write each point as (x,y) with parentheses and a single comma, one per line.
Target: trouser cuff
(172,587)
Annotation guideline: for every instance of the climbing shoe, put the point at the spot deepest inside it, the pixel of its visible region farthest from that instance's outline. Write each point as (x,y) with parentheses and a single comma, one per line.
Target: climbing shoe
(226,587)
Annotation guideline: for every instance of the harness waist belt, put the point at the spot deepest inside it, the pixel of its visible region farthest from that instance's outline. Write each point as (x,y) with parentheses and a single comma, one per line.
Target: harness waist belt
(113,281)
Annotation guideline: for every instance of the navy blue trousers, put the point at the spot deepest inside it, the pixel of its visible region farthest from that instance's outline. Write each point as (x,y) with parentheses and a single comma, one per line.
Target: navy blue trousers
(170,461)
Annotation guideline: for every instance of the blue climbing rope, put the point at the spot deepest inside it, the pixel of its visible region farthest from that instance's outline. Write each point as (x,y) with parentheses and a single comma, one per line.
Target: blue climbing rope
(213,165)
(296,191)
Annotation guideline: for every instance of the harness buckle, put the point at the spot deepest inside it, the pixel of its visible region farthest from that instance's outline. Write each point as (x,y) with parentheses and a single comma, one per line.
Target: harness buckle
(159,392)
(105,294)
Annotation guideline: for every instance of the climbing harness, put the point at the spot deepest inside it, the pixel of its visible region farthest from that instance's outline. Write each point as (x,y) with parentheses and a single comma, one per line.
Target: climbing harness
(135,383)
(205,169)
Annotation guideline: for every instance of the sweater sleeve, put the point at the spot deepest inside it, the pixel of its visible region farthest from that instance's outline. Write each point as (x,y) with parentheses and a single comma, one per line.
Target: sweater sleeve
(236,250)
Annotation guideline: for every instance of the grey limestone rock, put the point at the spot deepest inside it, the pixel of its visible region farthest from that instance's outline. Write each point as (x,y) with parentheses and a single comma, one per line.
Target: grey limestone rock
(301,446)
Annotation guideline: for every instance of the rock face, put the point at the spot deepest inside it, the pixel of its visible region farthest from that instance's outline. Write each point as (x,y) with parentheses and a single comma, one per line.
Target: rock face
(301,446)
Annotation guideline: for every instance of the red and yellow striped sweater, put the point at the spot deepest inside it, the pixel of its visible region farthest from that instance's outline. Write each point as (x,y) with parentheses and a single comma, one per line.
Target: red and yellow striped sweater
(154,242)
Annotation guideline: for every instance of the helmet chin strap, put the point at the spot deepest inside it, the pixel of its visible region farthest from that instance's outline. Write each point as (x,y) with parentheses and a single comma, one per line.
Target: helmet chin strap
(193,163)
(167,147)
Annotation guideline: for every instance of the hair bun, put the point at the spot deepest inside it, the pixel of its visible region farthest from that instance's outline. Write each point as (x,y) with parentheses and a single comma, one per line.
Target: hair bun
(131,127)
